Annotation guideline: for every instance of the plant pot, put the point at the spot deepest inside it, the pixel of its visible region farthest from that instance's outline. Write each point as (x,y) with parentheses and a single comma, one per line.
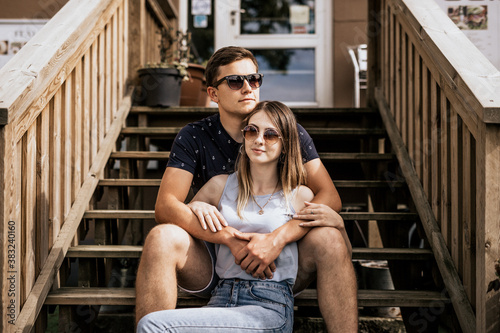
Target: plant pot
(159,87)
(375,275)
(190,90)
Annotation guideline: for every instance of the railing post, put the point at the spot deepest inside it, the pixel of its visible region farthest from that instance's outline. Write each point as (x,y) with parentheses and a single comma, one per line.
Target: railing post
(488,221)
(136,31)
(374,31)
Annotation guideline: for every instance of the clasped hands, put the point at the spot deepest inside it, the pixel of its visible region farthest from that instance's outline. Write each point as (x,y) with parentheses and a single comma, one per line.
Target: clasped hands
(256,252)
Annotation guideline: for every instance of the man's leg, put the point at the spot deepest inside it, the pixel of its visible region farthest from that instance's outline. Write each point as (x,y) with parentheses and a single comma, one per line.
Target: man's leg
(170,256)
(322,252)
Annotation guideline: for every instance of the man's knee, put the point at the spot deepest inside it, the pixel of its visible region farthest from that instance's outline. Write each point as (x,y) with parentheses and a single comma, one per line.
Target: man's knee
(166,238)
(325,242)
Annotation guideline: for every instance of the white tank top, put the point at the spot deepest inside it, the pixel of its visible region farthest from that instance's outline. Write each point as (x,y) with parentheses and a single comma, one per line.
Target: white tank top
(275,215)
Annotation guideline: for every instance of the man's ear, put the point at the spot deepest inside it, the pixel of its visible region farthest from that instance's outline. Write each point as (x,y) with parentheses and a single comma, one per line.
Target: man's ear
(212,93)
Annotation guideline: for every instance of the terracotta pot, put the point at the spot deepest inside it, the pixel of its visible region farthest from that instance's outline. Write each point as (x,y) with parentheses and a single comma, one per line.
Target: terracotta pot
(191,90)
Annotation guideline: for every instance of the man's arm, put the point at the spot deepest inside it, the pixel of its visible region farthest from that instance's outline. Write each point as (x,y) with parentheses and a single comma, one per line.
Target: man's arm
(319,181)
(170,208)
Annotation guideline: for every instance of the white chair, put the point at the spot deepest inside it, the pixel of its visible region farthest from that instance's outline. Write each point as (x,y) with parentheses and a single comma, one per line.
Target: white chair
(359,57)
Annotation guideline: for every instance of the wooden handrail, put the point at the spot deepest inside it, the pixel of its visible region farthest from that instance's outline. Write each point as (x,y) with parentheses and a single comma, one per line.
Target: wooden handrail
(464,69)
(41,66)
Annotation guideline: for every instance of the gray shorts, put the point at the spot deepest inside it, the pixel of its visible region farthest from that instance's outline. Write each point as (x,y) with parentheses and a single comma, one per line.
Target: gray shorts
(206,292)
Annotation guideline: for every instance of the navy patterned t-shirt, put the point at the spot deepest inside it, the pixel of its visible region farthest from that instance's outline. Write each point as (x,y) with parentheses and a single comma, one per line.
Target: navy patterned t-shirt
(205,149)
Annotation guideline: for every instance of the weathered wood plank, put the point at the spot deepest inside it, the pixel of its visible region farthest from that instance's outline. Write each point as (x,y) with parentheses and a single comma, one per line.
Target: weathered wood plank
(150,214)
(425,132)
(411,114)
(468,214)
(362,184)
(126,296)
(172,131)
(456,232)
(161,155)
(43,188)
(404,88)
(417,117)
(131,251)
(435,146)
(445,171)
(28,204)
(67,141)
(488,229)
(86,113)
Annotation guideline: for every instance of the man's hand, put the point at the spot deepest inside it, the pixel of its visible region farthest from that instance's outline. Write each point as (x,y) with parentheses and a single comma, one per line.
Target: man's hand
(208,215)
(257,257)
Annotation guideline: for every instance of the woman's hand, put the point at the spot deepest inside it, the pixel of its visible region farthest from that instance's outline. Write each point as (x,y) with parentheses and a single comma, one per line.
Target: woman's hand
(319,215)
(208,215)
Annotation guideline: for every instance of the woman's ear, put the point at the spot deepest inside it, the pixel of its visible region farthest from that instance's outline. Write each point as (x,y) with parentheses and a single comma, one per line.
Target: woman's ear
(212,93)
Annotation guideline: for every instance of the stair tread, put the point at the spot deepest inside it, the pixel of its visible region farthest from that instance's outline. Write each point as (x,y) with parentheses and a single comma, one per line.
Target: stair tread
(162,155)
(338,183)
(150,214)
(211,110)
(126,296)
(312,131)
(134,251)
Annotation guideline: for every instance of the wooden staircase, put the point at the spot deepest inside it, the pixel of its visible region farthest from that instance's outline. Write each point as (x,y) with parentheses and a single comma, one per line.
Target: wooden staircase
(354,147)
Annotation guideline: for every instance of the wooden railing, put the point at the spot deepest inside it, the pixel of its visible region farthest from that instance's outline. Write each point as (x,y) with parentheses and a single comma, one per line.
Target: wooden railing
(63,101)
(444,97)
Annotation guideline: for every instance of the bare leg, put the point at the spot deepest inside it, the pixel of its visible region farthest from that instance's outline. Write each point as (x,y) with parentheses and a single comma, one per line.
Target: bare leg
(323,251)
(170,256)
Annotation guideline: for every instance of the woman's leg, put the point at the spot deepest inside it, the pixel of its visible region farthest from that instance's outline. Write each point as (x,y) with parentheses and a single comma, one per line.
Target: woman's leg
(236,306)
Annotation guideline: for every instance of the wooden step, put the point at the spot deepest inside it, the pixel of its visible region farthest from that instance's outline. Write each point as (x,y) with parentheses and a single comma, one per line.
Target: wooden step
(315,132)
(126,296)
(130,251)
(348,216)
(164,155)
(338,183)
(206,111)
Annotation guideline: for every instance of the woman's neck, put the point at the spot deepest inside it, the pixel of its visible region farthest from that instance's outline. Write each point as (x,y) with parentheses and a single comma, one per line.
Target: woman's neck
(264,179)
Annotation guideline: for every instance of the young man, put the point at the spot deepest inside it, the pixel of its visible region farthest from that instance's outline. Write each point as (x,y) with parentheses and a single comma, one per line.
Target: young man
(175,252)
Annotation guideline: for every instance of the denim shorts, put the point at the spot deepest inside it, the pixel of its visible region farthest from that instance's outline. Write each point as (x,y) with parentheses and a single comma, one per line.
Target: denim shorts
(235,306)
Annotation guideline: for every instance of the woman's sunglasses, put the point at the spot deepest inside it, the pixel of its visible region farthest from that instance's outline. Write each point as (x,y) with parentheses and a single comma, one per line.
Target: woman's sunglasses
(235,82)
(250,133)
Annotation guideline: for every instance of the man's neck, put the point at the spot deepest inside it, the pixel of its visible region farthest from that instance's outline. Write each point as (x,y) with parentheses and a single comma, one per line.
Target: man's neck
(232,124)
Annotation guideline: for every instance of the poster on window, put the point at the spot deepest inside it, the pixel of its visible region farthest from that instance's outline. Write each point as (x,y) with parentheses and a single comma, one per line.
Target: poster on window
(478,19)
(14,34)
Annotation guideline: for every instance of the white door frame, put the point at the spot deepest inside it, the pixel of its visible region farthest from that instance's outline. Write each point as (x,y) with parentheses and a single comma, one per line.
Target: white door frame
(227,29)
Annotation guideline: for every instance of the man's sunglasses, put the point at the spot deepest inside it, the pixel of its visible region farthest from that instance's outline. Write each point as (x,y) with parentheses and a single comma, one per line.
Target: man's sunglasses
(235,82)
(250,133)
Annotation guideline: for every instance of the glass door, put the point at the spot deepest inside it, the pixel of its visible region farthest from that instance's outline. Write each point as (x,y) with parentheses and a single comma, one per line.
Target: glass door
(292,41)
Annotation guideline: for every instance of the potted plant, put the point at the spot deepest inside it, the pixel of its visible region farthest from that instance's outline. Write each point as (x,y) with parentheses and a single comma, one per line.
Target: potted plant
(161,82)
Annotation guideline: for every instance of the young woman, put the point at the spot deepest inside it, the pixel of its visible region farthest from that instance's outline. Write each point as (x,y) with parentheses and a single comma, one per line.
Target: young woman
(262,195)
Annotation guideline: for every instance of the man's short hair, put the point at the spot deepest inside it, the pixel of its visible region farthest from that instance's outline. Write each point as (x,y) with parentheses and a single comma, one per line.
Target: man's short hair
(225,56)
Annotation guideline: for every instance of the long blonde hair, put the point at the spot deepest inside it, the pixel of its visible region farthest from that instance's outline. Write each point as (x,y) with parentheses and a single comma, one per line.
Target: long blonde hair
(291,171)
